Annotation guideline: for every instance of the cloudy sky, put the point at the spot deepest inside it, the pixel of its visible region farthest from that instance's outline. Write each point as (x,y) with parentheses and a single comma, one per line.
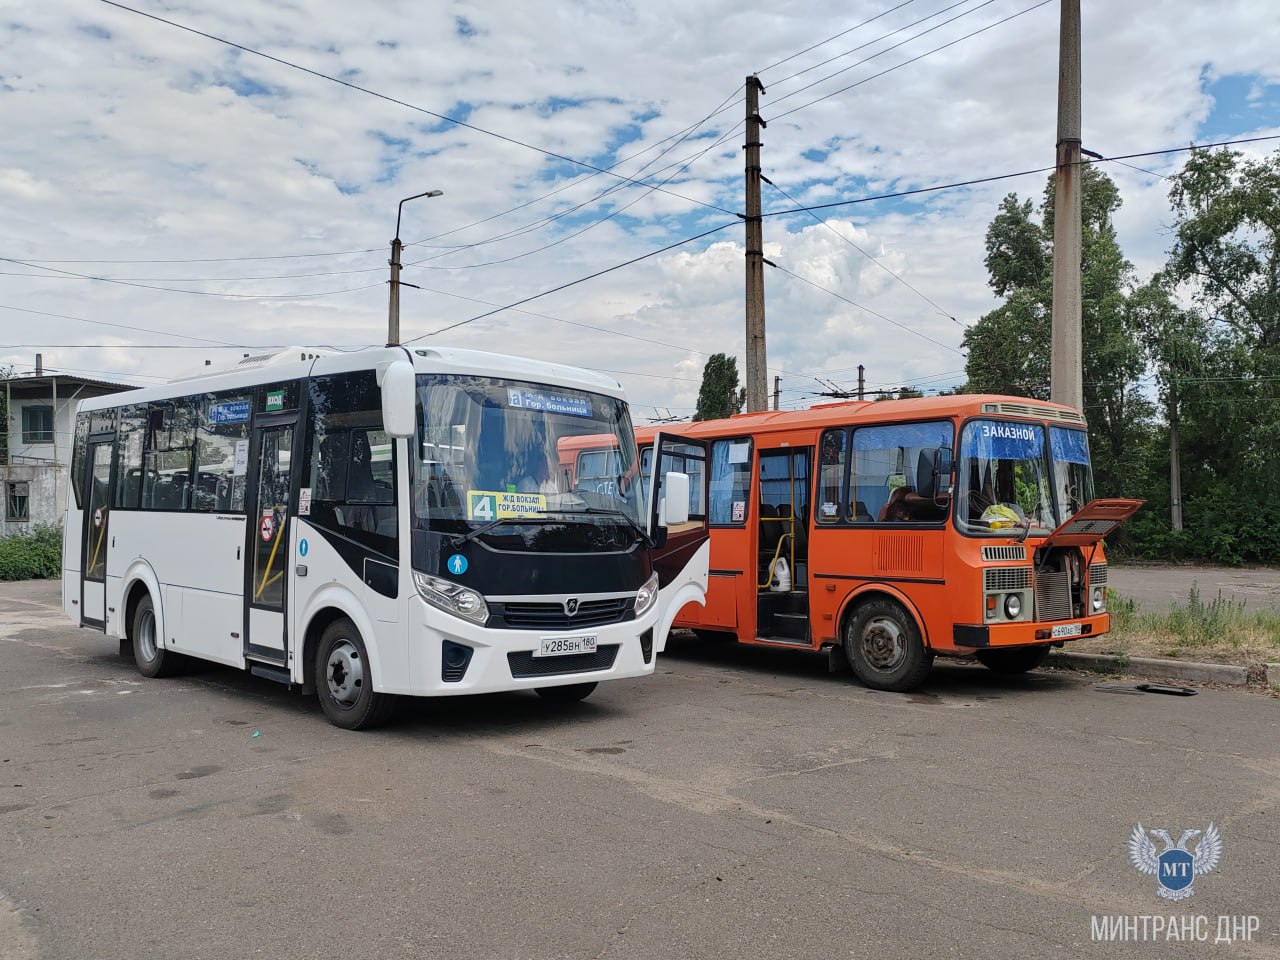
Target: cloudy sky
(167,198)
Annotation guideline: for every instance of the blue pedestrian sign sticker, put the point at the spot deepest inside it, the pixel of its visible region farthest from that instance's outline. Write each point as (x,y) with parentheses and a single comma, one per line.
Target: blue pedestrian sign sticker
(303,547)
(457,564)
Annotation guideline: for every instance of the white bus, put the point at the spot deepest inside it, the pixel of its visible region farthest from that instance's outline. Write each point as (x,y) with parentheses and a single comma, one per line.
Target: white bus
(380,523)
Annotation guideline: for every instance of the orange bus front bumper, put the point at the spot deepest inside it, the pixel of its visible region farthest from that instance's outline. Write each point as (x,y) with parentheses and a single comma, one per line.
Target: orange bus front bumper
(995,635)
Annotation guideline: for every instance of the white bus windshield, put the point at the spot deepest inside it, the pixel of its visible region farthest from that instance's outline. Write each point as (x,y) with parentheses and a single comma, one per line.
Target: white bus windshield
(491,449)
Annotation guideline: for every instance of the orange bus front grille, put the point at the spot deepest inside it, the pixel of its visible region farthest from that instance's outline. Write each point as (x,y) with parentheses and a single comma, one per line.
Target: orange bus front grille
(1053,596)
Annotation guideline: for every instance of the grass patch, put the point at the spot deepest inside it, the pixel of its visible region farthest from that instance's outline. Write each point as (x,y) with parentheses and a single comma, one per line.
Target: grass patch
(1218,629)
(36,555)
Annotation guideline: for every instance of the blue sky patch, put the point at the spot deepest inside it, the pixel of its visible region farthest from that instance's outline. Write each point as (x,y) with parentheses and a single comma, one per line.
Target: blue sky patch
(93,30)
(1240,102)
(463,27)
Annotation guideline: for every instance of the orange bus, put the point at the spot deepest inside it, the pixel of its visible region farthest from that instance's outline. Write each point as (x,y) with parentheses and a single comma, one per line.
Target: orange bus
(858,529)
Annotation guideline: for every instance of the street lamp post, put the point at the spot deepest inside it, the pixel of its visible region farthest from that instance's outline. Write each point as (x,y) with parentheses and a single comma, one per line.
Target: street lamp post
(393,303)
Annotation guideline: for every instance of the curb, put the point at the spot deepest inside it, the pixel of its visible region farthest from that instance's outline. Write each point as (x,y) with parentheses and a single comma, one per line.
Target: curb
(1224,673)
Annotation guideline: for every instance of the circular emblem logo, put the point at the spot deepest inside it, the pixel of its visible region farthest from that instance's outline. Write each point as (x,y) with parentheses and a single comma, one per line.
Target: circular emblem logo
(267,528)
(303,546)
(457,564)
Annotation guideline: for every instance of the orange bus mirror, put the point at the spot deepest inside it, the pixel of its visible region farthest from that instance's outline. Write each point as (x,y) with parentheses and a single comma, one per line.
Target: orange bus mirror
(943,465)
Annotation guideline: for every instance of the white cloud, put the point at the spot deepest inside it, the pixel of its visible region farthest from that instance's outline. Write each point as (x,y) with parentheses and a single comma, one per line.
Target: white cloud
(126,139)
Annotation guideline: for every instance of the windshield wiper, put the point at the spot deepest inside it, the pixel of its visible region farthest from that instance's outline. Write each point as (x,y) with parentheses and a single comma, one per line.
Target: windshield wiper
(470,535)
(640,531)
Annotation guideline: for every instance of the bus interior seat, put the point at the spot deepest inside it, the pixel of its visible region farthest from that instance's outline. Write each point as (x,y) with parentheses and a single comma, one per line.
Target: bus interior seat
(860,512)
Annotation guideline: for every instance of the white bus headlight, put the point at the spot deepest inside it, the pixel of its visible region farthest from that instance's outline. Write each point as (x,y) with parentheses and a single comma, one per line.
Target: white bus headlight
(1099,599)
(647,596)
(452,597)
(1012,606)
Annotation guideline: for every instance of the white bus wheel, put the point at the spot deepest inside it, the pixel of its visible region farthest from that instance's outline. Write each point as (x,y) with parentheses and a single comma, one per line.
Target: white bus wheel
(571,693)
(344,682)
(149,654)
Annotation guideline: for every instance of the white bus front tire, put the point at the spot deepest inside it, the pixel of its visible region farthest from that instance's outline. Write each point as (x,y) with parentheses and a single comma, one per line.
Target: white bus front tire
(344,682)
(569,693)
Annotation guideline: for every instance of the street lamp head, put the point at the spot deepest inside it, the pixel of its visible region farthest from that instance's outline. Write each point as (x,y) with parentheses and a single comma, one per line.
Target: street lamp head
(400,208)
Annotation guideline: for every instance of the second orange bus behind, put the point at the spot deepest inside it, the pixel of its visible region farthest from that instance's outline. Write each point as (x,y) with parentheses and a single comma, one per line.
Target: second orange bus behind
(894,531)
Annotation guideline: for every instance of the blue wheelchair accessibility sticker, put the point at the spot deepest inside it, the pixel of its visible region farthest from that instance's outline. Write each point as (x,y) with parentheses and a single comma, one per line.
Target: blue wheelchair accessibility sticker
(303,547)
(457,564)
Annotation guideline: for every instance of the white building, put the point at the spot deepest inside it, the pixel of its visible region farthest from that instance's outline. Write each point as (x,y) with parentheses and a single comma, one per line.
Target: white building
(35,460)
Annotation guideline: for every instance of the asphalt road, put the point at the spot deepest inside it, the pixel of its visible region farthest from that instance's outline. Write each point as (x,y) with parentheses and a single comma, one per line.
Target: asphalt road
(741,803)
(1157,587)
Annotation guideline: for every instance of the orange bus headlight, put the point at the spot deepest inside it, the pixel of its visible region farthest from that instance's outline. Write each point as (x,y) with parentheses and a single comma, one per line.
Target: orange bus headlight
(1099,599)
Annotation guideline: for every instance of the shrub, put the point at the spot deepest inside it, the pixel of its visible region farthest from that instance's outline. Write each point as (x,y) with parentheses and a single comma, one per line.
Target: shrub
(35,555)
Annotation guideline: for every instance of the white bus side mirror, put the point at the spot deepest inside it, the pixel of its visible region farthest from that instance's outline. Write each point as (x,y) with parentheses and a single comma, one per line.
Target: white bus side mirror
(399,398)
(674,509)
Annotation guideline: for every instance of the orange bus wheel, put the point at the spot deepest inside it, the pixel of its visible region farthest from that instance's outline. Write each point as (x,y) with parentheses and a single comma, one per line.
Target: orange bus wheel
(883,646)
(1017,660)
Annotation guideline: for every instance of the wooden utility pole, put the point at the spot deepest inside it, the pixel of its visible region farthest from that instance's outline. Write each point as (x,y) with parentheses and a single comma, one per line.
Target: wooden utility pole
(757,376)
(1065,374)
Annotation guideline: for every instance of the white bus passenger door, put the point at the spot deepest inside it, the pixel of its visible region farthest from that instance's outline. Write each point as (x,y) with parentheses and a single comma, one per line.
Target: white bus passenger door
(96,542)
(682,557)
(267,541)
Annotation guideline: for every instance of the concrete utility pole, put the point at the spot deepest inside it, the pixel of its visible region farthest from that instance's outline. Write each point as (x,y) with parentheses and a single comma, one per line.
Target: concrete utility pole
(757,376)
(1175,462)
(777,392)
(393,299)
(1066,378)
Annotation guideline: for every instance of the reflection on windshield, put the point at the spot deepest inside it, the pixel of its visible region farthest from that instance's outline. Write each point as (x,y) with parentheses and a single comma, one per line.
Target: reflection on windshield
(1072,475)
(558,463)
(1004,480)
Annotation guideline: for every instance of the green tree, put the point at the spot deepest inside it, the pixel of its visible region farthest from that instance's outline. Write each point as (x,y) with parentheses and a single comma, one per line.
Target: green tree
(1009,348)
(719,395)
(1226,241)
(1223,359)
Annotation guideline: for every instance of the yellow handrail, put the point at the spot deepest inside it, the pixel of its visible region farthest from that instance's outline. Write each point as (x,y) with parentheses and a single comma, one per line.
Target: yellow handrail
(271,560)
(776,552)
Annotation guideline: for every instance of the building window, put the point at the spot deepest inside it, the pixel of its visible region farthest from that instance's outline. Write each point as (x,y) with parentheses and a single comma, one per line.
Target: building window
(16,501)
(37,424)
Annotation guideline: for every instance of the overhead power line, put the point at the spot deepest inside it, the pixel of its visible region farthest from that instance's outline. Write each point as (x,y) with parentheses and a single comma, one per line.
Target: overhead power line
(571,283)
(836,36)
(122,326)
(927,53)
(875,260)
(1009,176)
(72,275)
(403,103)
(863,46)
(851,303)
